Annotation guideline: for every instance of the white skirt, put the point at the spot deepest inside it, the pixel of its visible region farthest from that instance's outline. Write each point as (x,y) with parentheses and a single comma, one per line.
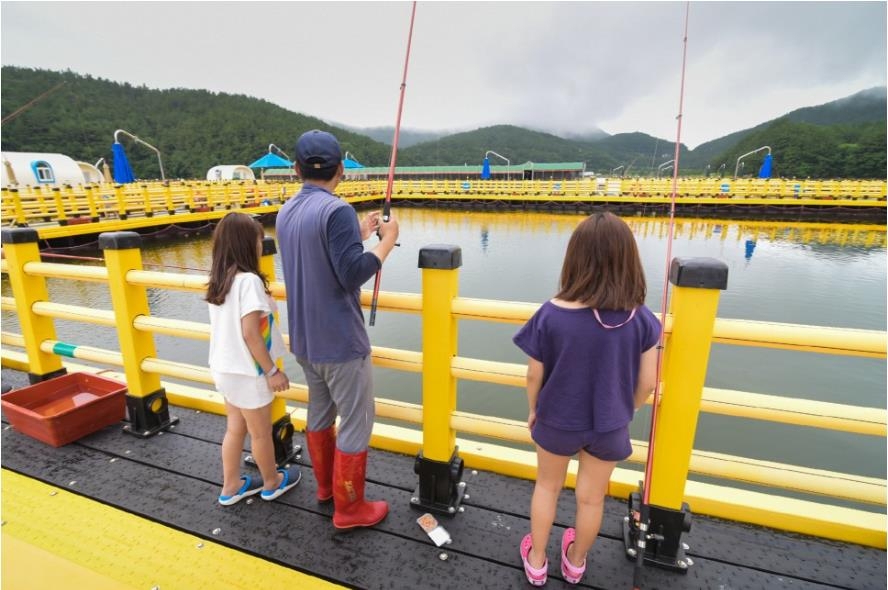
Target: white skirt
(244,391)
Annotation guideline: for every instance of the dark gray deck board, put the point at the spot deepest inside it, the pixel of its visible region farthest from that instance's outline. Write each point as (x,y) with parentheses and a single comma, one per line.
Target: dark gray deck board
(712,539)
(174,478)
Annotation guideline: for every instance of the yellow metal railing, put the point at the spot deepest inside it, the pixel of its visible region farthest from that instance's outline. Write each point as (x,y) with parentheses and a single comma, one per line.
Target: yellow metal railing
(442,424)
(71,205)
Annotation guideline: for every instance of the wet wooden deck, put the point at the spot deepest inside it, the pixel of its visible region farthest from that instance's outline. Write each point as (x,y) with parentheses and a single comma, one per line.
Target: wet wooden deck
(173,479)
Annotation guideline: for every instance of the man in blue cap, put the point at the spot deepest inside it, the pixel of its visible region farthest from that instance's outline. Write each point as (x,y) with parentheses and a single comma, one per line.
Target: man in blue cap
(324,264)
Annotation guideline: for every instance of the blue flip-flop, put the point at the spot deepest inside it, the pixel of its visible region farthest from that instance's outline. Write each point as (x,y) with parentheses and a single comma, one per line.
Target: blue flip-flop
(292,475)
(248,489)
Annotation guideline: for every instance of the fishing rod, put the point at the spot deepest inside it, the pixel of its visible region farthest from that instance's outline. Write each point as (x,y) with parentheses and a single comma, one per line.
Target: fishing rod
(387,204)
(30,103)
(642,534)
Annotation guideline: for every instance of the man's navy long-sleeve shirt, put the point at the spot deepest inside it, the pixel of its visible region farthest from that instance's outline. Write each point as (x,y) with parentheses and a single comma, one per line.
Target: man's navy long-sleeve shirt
(324,265)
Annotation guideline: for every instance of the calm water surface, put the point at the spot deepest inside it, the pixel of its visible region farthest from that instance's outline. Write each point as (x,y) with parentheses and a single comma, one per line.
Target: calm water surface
(814,274)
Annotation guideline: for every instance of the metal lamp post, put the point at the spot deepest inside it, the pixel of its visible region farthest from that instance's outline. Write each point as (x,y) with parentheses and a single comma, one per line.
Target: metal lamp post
(143,142)
(755,151)
(508,162)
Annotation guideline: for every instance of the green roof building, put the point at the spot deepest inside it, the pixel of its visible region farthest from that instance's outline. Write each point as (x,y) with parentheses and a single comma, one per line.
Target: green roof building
(526,171)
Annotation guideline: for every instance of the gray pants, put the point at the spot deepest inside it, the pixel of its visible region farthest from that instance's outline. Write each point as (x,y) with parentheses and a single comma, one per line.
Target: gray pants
(346,389)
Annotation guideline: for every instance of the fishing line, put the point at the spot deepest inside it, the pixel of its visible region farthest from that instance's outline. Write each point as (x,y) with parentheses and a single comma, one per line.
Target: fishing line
(97,259)
(387,204)
(648,468)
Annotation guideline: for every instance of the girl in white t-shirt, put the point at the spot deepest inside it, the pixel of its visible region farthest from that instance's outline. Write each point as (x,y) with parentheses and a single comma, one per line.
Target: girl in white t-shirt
(245,349)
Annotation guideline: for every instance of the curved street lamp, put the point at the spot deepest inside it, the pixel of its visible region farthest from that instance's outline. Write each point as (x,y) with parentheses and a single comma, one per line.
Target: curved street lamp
(664,165)
(143,142)
(279,150)
(737,167)
(508,162)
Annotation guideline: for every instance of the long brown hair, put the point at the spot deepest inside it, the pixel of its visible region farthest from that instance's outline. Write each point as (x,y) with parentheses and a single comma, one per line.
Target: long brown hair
(234,251)
(602,268)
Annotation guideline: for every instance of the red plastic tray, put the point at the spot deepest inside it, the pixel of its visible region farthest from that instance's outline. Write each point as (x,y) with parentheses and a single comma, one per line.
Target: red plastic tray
(63,409)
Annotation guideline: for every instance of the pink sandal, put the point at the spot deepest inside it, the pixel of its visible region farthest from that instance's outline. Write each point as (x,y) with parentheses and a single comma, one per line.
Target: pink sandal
(571,573)
(536,577)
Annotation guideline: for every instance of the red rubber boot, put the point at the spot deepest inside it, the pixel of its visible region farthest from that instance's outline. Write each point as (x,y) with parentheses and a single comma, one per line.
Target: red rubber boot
(350,508)
(321,446)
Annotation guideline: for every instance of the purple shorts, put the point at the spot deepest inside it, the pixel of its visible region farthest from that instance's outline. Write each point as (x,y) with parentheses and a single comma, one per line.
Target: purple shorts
(607,446)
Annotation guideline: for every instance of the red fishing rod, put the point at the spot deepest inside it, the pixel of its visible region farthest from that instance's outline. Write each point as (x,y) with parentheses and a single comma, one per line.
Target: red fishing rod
(642,535)
(387,204)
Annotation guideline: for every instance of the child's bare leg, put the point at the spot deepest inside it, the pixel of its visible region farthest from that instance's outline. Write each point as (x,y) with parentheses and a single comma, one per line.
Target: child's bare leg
(232,447)
(592,480)
(551,470)
(261,445)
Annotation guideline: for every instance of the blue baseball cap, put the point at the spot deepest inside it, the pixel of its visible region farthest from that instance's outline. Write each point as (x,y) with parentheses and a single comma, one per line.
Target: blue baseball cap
(318,149)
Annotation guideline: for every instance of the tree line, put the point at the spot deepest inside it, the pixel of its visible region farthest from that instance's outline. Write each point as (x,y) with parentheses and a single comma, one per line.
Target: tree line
(197,129)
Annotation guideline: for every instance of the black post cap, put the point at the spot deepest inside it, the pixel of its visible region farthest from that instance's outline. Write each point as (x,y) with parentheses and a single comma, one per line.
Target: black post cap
(19,235)
(269,248)
(440,256)
(119,240)
(699,273)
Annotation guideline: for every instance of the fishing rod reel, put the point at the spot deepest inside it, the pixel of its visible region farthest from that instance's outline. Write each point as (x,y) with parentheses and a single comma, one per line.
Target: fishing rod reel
(657,532)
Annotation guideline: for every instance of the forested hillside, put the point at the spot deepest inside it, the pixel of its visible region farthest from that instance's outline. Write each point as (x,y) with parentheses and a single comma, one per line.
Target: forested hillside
(197,129)
(517,144)
(193,129)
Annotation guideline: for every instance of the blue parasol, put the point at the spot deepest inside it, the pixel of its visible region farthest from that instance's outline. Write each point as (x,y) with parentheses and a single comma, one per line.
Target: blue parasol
(123,173)
(270,160)
(350,164)
(765,170)
(485,169)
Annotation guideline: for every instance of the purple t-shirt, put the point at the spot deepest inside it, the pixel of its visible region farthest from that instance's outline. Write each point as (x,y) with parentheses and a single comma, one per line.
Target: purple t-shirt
(589,372)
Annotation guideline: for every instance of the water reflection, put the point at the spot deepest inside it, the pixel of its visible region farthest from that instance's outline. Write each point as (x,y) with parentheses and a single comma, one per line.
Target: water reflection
(805,273)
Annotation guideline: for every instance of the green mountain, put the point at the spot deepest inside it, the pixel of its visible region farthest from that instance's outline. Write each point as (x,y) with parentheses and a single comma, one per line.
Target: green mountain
(864,111)
(517,144)
(196,129)
(193,129)
(407,137)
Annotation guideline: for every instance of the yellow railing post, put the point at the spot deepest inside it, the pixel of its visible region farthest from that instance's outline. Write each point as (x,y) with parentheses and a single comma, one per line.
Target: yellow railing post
(189,198)
(696,285)
(438,463)
(70,196)
(91,204)
(60,216)
(146,400)
(281,426)
(20,248)
(168,198)
(120,195)
(21,219)
(146,201)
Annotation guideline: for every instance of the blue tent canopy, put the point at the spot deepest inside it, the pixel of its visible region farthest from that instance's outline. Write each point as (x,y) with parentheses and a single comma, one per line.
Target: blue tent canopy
(270,160)
(485,169)
(350,164)
(123,172)
(765,170)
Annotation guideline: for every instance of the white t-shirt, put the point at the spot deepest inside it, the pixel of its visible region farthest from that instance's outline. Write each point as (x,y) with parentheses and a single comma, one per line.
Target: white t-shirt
(228,350)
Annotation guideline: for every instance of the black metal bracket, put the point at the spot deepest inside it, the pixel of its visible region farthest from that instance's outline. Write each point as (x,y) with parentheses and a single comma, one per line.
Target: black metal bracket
(148,415)
(440,489)
(663,542)
(34,378)
(284,450)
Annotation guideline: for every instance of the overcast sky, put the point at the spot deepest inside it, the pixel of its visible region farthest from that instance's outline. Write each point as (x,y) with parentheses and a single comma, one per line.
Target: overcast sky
(554,66)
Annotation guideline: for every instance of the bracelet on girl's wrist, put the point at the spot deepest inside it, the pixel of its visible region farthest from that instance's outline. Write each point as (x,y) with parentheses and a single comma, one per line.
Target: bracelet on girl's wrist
(272,372)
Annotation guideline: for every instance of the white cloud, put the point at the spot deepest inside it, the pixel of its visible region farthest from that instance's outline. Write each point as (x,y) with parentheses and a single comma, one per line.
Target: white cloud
(563,66)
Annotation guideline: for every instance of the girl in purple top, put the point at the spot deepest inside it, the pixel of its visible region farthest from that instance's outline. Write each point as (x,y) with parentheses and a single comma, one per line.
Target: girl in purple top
(593,361)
